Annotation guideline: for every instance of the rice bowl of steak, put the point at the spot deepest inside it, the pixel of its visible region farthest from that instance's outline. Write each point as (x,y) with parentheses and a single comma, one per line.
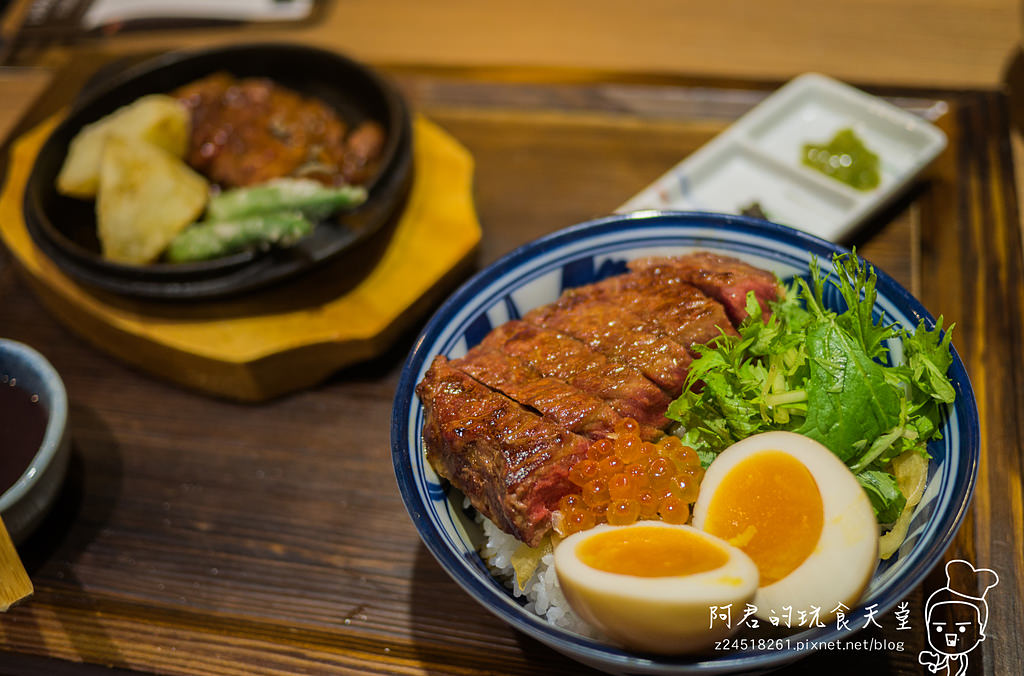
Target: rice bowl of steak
(576,333)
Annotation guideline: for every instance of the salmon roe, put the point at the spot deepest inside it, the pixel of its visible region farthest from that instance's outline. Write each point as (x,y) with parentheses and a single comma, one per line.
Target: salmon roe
(624,478)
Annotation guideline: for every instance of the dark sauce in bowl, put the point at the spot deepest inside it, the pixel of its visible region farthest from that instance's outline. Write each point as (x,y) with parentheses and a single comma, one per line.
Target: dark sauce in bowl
(22,427)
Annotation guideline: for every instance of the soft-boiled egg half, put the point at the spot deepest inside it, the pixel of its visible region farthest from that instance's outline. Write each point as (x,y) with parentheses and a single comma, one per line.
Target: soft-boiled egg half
(800,514)
(652,586)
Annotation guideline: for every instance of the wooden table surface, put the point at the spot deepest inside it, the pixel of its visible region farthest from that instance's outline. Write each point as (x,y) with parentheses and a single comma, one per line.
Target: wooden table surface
(196,535)
(935,42)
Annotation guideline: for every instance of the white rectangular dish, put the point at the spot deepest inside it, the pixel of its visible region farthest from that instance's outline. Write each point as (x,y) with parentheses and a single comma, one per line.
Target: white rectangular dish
(758,159)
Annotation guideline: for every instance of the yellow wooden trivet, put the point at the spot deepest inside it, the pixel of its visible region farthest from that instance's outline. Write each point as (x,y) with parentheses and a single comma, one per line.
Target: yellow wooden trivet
(286,337)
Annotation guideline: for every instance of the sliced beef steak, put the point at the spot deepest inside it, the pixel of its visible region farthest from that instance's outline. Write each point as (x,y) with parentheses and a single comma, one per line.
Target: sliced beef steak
(667,303)
(512,464)
(557,355)
(726,279)
(555,399)
(507,422)
(620,335)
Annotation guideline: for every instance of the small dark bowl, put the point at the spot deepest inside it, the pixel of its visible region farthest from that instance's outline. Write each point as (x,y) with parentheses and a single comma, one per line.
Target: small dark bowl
(25,503)
(65,227)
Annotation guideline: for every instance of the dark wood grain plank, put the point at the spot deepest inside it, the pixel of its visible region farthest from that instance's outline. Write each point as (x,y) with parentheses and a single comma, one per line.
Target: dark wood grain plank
(992,306)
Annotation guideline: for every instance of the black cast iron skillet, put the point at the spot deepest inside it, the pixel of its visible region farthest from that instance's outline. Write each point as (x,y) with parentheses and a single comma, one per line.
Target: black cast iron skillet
(65,227)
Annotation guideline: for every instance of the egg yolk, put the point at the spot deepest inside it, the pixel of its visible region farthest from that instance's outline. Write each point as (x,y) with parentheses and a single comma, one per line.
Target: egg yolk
(650,551)
(768,505)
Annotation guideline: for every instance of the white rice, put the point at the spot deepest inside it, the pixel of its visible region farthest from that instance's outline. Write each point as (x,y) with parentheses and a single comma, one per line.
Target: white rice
(542,591)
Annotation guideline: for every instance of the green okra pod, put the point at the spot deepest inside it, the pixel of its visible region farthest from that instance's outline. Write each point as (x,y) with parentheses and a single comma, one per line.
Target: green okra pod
(313,199)
(212,239)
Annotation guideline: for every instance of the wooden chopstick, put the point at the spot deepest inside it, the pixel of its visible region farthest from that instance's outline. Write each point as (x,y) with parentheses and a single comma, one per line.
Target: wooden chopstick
(15,585)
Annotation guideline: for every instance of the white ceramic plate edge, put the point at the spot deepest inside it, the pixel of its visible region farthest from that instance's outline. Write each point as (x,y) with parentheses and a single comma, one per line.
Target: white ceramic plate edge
(808,200)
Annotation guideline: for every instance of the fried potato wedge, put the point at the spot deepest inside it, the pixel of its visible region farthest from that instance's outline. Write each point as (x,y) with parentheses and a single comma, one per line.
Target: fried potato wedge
(146,197)
(157,119)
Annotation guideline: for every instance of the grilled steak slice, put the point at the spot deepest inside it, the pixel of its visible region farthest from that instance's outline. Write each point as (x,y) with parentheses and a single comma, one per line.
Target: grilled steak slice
(620,335)
(556,400)
(667,303)
(512,464)
(557,355)
(725,279)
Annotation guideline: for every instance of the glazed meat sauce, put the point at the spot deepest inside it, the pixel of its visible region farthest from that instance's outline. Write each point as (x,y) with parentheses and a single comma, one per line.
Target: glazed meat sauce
(252,130)
(506,422)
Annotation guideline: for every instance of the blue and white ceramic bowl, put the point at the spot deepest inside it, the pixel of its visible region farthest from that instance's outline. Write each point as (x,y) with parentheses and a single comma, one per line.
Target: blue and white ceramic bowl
(536,274)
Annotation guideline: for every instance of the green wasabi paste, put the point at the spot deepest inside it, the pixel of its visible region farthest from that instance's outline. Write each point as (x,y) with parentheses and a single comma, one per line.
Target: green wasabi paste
(844,158)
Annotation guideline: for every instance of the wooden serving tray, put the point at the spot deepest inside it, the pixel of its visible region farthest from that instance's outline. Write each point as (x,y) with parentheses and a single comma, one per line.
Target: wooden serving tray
(204,536)
(291,335)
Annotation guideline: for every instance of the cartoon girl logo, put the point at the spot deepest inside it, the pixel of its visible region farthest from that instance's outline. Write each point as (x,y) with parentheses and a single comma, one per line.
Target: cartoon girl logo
(959,626)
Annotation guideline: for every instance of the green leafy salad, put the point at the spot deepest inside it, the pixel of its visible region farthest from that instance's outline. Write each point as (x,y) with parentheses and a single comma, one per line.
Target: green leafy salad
(824,374)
